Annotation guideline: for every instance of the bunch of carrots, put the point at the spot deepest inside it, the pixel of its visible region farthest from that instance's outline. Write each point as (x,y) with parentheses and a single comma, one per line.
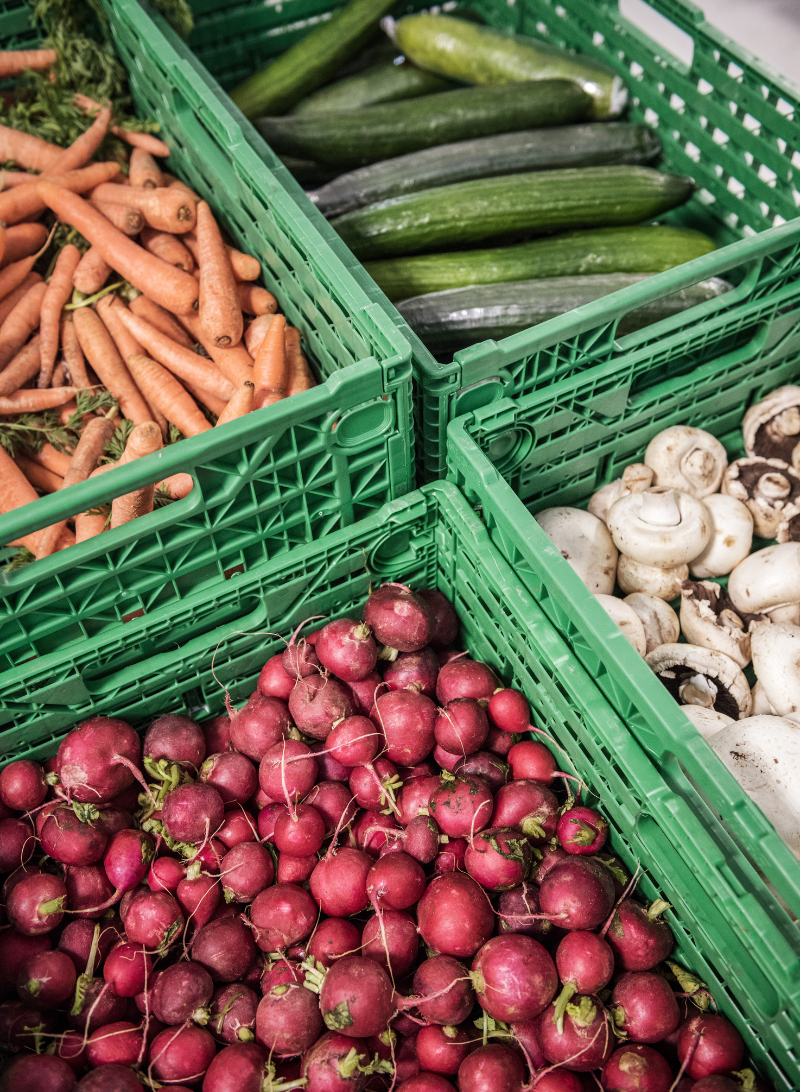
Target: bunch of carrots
(159,311)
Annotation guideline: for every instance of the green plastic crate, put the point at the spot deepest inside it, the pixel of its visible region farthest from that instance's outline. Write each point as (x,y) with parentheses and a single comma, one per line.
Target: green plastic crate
(277,478)
(173,663)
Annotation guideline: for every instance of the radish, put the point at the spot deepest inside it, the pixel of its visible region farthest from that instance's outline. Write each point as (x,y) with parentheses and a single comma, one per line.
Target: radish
(95,1006)
(639,938)
(246,870)
(347,649)
(127,859)
(374,785)
(526,1037)
(318,702)
(128,969)
(515,978)
(443,1049)
(181,1054)
(485,765)
(586,1041)
(465,679)
(333,801)
(395,882)
(46,979)
(531,759)
(192,813)
(354,741)
(454,915)
(445,759)
(426,1082)
(582,831)
(577,893)
(637,1068)
(299,659)
(95,759)
(528,806)
(233,1014)
(492,1068)
(238,1068)
(420,839)
(22,785)
(365,693)
(295,869)
(217,734)
(451,982)
(406,719)
(498,858)
(37,1073)
(287,771)
(165,874)
(76,941)
(20,1024)
(558,1080)
(273,681)
(300,832)
(335,1063)
(644,1007)
(444,616)
(451,858)
(112,820)
(87,889)
(509,711)
(282,915)
(17,843)
(370,831)
(268,817)
(69,840)
(461,727)
(518,912)
(718,1083)
(288,1019)
(332,939)
(198,899)
(551,855)
(390,938)
(413,671)
(71,1048)
(415,797)
(182,992)
(113,1078)
(259,725)
(462,806)
(36,904)
(238,826)
(399,619)
(225,948)
(175,738)
(709,1044)
(356,997)
(154,920)
(339,882)
(585,964)
(233,775)
(500,743)
(119,1043)
(208,855)
(15,950)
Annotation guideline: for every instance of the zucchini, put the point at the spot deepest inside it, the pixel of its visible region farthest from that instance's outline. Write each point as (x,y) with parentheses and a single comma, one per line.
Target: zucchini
(311,62)
(487,157)
(509,208)
(388,81)
(354,138)
(477,54)
(603,250)
(452,320)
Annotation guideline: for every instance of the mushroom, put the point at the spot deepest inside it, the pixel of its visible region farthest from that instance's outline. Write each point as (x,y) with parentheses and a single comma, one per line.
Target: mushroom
(688,459)
(731,537)
(768,582)
(710,620)
(769,488)
(635,478)
(772,427)
(702,676)
(776,662)
(627,619)
(761,705)
(584,541)
(660,530)
(660,622)
(707,721)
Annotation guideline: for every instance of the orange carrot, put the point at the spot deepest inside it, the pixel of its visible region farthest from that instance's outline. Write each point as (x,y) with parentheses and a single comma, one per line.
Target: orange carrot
(22,240)
(299,374)
(108,309)
(147,141)
(10,301)
(28,151)
(256,332)
(269,367)
(163,209)
(23,367)
(15,278)
(245,267)
(57,461)
(129,221)
(102,354)
(21,323)
(162,320)
(176,184)
(42,479)
(241,402)
(16,490)
(57,294)
(25,201)
(204,398)
(167,393)
(59,377)
(33,401)
(91,523)
(167,247)
(13,62)
(67,410)
(219,308)
(91,272)
(144,171)
(81,150)
(177,485)
(170,287)
(255,300)
(73,354)
(8,179)
(144,440)
(235,362)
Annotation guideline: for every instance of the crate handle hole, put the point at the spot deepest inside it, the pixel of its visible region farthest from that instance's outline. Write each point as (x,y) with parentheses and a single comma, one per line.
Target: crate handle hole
(393,555)
(508,450)
(661,29)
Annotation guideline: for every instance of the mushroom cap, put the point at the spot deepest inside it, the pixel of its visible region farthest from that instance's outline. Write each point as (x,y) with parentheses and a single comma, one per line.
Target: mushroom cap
(731,537)
(707,721)
(709,619)
(584,541)
(771,427)
(761,704)
(767,579)
(659,526)
(688,459)
(769,487)
(678,665)
(635,478)
(660,622)
(776,662)
(627,619)
(632,577)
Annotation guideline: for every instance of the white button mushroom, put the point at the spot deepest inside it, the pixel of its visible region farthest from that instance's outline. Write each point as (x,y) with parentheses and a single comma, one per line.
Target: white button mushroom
(710,620)
(661,625)
(731,537)
(627,619)
(771,427)
(584,541)
(701,676)
(761,705)
(769,488)
(634,577)
(707,721)
(635,478)
(688,459)
(776,662)
(768,582)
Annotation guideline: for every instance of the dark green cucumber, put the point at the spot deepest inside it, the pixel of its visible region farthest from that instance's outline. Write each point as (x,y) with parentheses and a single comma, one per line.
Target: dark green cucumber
(511,207)
(306,171)
(465,51)
(311,62)
(601,250)
(354,138)
(531,150)
(452,320)
(388,81)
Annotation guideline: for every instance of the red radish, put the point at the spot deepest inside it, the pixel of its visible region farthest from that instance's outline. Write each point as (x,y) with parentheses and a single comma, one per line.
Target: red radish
(71,1048)
(217,734)
(365,693)
(94,760)
(332,939)
(246,870)
(455,916)
(413,671)
(451,983)
(318,702)
(399,618)
(259,725)
(295,869)
(96,1007)
(415,797)
(639,938)
(461,727)
(225,948)
(233,775)
(406,719)
(518,912)
(526,1036)
(233,1014)
(238,1068)
(281,916)
(287,771)
(354,741)
(582,831)
(87,889)
(515,978)
(465,679)
(356,997)
(452,856)
(443,1049)
(127,859)
(77,938)
(22,785)
(374,785)
(426,1082)
(444,616)
(445,759)
(288,1019)
(17,843)
(267,818)
(181,1054)
(198,899)
(715,1083)
(644,1007)
(347,649)
(154,920)
(551,856)
(176,738)
(498,858)
(421,839)
(586,1041)
(339,882)
(709,1044)
(577,893)
(37,1073)
(528,806)
(192,813)
(15,950)
(209,856)
(36,904)
(509,711)
(499,743)
(238,826)
(462,806)
(370,831)
(119,1043)
(112,820)
(395,882)
(165,874)
(585,964)
(299,659)
(19,1024)
(635,1068)
(113,1078)
(334,802)
(128,969)
(531,759)
(46,979)
(273,681)
(486,765)
(182,992)
(492,1068)
(390,938)
(332,1066)
(70,841)
(330,769)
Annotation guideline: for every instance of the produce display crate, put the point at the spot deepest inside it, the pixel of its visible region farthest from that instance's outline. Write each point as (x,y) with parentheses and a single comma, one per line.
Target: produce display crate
(558,447)
(172,662)
(723,117)
(270,481)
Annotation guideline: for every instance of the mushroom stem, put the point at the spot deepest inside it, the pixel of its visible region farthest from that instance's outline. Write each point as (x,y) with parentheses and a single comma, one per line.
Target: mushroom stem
(773,487)
(698,690)
(785,424)
(659,507)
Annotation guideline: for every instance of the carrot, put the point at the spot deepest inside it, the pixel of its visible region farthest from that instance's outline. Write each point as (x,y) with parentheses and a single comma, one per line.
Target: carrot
(170,287)
(14,282)
(83,148)
(22,240)
(299,374)
(91,272)
(210,401)
(29,151)
(129,221)
(150,143)
(33,401)
(59,377)
(245,267)
(269,367)
(67,410)
(235,362)
(144,440)
(240,403)
(255,300)
(25,201)
(23,367)
(21,323)
(42,479)
(57,461)
(168,394)
(177,485)
(162,320)
(9,302)
(167,247)
(162,208)
(16,178)
(13,62)
(144,171)
(256,332)
(177,184)
(91,523)
(108,309)
(219,310)
(73,354)
(57,294)
(188,366)
(102,354)
(16,490)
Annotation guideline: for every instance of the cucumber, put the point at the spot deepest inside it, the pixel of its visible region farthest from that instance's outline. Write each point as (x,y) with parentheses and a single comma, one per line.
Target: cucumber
(354,138)
(509,208)
(388,81)
(452,320)
(487,157)
(602,250)
(306,171)
(311,62)
(477,54)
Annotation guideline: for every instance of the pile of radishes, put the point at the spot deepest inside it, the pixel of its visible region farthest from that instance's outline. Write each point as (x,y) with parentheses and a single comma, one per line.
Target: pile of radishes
(368,884)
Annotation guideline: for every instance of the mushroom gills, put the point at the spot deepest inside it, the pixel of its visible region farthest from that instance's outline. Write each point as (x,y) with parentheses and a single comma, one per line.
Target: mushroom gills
(771,427)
